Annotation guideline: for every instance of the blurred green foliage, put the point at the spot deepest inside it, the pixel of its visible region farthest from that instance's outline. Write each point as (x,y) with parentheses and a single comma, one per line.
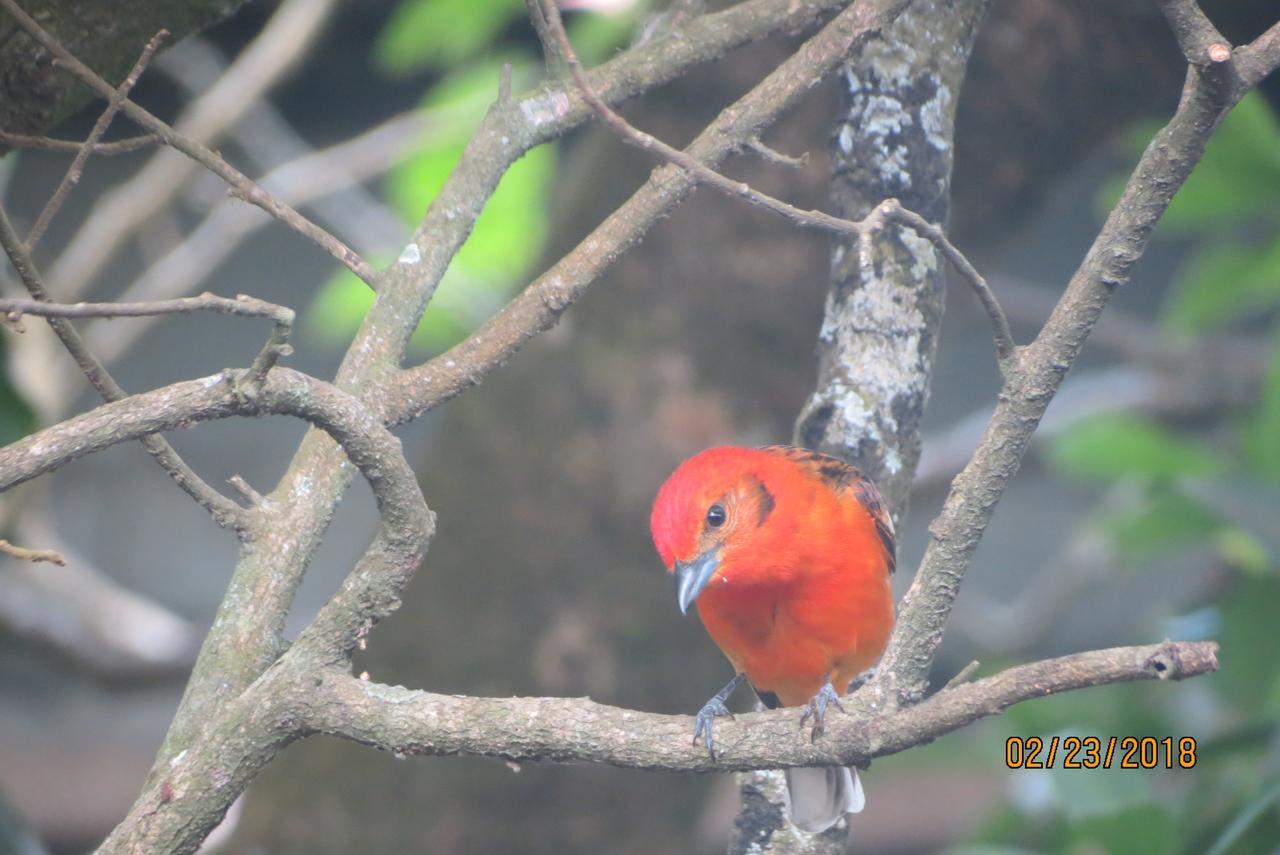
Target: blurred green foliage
(1199,497)
(467,42)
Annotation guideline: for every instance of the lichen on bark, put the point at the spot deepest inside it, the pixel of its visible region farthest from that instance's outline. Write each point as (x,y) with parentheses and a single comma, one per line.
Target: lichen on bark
(892,139)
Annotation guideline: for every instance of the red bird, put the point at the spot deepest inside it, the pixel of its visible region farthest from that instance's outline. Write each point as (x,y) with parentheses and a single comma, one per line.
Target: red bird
(789,555)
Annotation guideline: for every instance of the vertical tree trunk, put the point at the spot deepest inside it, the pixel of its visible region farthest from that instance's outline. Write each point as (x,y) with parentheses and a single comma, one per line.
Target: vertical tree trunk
(894,138)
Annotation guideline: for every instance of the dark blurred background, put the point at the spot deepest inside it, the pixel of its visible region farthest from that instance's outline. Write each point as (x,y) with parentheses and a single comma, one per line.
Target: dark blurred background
(1149,507)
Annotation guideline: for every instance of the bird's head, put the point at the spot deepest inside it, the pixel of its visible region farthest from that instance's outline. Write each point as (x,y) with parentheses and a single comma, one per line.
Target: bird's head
(714,506)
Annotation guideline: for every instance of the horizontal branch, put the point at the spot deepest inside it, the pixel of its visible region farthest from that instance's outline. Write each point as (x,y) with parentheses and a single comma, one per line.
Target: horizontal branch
(191,792)
(579,730)
(124,146)
(242,305)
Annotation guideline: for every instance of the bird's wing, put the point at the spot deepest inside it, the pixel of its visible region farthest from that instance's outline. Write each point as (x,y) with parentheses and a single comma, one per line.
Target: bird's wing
(844,478)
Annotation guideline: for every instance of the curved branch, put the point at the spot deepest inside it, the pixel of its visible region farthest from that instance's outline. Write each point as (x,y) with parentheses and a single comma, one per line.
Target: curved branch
(269,571)
(407,524)
(369,445)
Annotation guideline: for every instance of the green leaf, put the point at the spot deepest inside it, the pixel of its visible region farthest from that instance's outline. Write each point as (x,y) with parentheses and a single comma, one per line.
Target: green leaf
(1260,435)
(16,418)
(1238,174)
(1146,828)
(1116,445)
(1222,283)
(1268,796)
(596,35)
(1233,181)
(338,308)
(1247,637)
(1168,519)
(502,247)
(1241,549)
(441,33)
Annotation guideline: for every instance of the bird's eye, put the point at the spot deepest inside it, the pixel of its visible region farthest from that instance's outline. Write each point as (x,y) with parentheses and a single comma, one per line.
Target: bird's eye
(716,515)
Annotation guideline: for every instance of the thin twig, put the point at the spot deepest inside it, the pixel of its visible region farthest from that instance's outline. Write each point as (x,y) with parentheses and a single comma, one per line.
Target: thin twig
(76,169)
(243,305)
(246,491)
(124,146)
(1005,345)
(774,156)
(858,229)
(224,511)
(305,181)
(963,675)
(32,555)
(241,185)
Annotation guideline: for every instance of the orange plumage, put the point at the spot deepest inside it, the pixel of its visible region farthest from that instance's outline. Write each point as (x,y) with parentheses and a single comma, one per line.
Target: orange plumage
(788,554)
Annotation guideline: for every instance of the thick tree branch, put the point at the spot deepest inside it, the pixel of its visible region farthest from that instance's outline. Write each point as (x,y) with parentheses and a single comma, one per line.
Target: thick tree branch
(578,730)
(296,699)
(369,593)
(1042,365)
(246,637)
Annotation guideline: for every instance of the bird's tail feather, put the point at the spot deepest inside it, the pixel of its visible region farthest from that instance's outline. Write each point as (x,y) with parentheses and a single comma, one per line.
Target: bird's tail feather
(818,797)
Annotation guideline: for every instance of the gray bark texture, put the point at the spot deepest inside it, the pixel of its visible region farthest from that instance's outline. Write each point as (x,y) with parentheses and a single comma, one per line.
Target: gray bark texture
(35,94)
(542,536)
(893,138)
(539,486)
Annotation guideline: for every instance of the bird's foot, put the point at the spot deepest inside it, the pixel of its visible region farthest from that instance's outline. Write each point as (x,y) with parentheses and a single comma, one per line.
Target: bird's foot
(702,723)
(817,708)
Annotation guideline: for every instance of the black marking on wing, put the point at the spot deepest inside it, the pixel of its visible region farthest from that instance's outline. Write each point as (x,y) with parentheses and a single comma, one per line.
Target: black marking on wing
(870,498)
(841,476)
(767,502)
(769,699)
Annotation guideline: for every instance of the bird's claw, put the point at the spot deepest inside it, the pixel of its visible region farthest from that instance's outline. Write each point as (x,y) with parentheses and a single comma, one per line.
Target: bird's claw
(702,723)
(817,709)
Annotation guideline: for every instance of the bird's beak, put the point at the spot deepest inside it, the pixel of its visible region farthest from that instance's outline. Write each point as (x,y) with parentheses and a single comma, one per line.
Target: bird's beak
(693,576)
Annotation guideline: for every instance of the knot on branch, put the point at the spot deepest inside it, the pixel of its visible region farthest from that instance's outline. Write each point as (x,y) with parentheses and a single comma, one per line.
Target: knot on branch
(1169,662)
